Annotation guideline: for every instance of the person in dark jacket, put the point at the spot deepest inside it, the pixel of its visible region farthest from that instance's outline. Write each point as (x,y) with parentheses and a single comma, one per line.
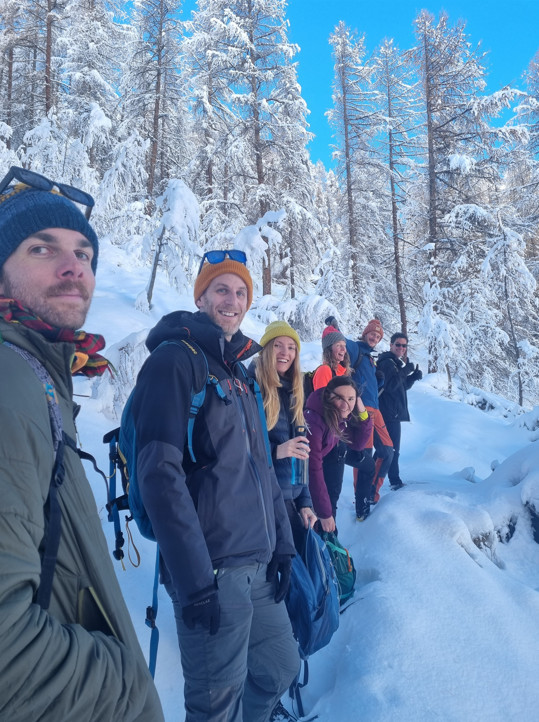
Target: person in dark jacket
(280,379)
(333,413)
(399,376)
(68,648)
(220,521)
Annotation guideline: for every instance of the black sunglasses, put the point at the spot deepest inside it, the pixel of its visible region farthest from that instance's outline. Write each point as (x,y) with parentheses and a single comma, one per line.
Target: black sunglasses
(401,345)
(41,183)
(219,257)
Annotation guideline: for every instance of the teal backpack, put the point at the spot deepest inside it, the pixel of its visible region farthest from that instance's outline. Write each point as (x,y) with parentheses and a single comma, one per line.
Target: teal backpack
(343,565)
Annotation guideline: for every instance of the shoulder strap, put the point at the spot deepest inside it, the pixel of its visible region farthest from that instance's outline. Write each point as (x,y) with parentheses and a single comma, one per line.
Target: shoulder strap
(360,355)
(54,526)
(198,392)
(255,388)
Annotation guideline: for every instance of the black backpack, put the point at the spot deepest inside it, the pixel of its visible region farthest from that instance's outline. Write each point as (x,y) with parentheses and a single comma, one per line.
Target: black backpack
(308,386)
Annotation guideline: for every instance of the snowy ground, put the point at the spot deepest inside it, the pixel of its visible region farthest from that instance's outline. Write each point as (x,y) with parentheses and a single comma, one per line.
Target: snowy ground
(445,620)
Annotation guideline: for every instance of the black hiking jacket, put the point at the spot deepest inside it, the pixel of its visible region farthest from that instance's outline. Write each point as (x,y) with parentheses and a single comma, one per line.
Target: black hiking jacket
(225,509)
(398,378)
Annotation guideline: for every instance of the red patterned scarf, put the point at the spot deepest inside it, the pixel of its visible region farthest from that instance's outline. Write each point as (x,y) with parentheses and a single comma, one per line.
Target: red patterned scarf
(86,360)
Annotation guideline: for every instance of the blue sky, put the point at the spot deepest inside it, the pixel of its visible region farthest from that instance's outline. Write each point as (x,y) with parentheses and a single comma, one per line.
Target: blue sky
(508,30)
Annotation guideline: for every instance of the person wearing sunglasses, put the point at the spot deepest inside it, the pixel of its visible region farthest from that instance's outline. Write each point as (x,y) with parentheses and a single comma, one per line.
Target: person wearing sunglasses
(69,649)
(218,515)
(399,376)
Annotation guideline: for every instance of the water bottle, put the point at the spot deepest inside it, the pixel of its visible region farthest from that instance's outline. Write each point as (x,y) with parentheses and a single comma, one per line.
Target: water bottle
(300,468)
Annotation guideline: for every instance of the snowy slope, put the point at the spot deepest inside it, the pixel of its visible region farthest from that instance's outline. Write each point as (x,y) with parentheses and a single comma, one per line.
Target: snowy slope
(445,620)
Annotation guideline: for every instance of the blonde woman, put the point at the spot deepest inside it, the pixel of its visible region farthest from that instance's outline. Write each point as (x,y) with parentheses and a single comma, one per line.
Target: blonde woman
(278,373)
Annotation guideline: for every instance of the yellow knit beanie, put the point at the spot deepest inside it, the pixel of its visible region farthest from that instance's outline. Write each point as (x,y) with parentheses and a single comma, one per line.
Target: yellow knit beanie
(209,271)
(279,328)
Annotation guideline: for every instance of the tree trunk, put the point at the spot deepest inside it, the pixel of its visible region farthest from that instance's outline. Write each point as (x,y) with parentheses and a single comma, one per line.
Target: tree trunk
(9,93)
(155,264)
(48,57)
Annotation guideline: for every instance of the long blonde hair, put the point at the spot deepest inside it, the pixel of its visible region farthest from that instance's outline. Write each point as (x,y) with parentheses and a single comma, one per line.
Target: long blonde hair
(269,381)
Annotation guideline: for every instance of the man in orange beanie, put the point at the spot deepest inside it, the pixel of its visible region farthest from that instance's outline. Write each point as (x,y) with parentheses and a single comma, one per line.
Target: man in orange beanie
(216,509)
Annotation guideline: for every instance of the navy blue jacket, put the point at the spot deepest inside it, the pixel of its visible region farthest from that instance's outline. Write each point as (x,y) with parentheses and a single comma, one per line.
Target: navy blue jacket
(398,378)
(365,374)
(281,432)
(227,508)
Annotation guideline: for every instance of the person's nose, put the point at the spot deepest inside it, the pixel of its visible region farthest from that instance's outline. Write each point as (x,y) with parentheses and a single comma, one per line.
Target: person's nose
(70,266)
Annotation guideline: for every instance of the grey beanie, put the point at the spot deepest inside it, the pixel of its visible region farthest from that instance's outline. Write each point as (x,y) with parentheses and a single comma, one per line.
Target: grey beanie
(331,335)
(25,211)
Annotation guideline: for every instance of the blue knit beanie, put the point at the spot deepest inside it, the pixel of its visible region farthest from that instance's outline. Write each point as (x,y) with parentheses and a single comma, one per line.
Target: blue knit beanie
(25,211)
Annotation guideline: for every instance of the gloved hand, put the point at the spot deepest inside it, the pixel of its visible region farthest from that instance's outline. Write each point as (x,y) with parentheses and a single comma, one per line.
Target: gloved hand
(332,321)
(418,374)
(282,564)
(206,612)
(409,368)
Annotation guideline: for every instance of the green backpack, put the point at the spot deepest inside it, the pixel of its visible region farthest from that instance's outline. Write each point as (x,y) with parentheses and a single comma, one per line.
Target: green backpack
(343,565)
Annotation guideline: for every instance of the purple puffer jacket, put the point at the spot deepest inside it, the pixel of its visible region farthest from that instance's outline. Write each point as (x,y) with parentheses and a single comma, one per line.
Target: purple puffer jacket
(322,441)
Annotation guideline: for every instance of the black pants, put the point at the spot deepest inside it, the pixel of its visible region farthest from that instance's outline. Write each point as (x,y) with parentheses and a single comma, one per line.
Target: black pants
(394,429)
(333,467)
(364,475)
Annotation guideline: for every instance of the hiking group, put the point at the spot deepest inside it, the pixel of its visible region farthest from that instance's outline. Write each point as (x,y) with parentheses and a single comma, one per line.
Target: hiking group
(232,489)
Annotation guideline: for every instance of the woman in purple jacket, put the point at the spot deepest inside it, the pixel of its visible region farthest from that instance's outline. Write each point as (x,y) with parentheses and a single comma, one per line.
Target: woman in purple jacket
(333,413)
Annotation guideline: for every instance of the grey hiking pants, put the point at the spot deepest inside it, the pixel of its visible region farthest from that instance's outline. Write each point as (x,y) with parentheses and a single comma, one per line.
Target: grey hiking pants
(240,673)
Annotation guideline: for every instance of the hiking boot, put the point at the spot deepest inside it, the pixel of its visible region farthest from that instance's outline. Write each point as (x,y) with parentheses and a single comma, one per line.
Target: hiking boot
(281,714)
(363,511)
(394,485)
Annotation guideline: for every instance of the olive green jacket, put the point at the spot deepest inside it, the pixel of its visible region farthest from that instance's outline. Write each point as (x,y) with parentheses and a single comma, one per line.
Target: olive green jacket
(80,660)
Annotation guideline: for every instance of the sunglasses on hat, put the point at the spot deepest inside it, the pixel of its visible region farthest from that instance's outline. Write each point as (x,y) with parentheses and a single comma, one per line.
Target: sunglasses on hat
(41,183)
(220,256)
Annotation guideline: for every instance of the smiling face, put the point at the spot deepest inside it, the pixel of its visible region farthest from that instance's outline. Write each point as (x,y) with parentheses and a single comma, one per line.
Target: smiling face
(284,353)
(338,351)
(225,302)
(344,398)
(50,273)
(399,347)
(372,338)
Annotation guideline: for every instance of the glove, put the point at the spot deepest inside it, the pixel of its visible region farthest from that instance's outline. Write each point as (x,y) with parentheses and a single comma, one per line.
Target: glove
(206,612)
(281,563)
(418,374)
(409,368)
(332,321)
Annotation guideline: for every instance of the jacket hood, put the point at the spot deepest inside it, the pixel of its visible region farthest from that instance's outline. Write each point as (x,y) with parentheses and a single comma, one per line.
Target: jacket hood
(314,402)
(199,326)
(387,355)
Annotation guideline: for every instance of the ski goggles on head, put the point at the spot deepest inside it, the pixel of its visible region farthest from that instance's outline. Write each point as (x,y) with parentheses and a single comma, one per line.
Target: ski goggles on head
(220,256)
(41,183)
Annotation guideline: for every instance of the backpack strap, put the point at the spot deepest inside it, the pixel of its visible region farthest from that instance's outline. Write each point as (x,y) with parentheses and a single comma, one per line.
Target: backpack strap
(59,438)
(198,393)
(255,388)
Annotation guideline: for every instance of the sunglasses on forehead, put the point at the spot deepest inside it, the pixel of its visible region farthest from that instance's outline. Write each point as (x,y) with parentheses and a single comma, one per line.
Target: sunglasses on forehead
(41,183)
(220,256)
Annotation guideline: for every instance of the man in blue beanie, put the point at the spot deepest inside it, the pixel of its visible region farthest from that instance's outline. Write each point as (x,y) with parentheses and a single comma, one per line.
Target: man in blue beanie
(68,648)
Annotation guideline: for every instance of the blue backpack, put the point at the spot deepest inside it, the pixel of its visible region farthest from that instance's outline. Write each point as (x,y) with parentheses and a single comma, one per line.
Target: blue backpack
(123,455)
(123,447)
(312,603)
